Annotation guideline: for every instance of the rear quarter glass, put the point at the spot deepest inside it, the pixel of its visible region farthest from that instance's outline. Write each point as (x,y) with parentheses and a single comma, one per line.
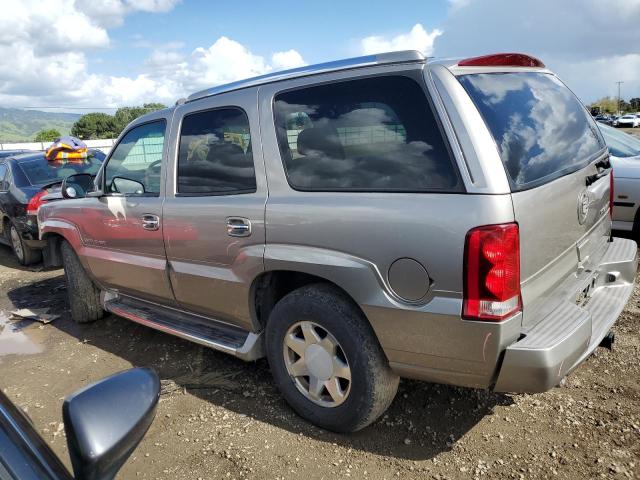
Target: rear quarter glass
(541,129)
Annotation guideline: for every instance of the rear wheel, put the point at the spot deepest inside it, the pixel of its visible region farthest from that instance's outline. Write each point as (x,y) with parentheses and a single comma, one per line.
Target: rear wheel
(82,293)
(24,254)
(326,360)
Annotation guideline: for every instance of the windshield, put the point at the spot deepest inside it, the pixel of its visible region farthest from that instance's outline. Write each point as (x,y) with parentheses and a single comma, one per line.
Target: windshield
(39,171)
(620,144)
(541,129)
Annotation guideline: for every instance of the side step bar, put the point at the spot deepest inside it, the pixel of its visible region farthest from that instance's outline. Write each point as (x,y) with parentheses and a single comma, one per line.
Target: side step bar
(210,333)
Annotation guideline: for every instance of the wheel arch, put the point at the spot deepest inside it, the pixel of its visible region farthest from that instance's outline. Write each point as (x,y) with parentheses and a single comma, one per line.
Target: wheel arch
(53,233)
(271,286)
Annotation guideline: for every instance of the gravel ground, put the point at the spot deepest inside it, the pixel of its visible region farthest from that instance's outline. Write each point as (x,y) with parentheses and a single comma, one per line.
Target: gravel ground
(221,418)
(632,131)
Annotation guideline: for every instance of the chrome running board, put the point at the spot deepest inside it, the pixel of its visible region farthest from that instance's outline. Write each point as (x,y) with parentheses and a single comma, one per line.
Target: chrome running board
(204,331)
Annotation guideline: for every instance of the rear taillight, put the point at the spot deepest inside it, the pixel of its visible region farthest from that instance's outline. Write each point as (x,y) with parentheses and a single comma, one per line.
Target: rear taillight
(35,202)
(502,60)
(611,192)
(492,273)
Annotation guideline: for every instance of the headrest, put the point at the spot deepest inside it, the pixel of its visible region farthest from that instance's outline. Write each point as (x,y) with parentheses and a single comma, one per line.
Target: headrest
(324,140)
(221,151)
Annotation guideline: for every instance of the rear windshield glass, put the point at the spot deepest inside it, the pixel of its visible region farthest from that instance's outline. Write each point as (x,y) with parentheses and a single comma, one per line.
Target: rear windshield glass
(39,171)
(541,129)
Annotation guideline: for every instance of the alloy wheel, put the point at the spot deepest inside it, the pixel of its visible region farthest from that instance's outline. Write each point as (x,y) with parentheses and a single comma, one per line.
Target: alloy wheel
(317,364)
(16,243)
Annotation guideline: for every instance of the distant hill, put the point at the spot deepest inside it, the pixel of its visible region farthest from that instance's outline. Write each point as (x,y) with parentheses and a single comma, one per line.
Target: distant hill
(22,125)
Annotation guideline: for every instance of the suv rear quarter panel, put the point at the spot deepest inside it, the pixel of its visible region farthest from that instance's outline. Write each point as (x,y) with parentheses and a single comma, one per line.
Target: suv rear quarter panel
(353,238)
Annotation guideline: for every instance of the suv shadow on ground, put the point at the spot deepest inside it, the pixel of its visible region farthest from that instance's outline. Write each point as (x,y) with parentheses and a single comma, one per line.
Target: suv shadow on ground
(423,421)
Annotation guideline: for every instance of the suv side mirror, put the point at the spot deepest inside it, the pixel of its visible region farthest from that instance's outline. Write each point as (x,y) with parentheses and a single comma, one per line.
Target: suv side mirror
(77,186)
(105,421)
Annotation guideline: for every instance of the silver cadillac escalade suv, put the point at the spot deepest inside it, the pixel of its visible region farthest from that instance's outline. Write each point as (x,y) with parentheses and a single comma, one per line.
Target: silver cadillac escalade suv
(356,222)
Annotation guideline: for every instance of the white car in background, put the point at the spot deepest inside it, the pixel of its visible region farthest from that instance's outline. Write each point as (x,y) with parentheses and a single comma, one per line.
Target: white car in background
(625,159)
(629,121)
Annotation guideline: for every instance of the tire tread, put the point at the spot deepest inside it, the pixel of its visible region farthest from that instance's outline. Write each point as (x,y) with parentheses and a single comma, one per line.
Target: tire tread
(82,294)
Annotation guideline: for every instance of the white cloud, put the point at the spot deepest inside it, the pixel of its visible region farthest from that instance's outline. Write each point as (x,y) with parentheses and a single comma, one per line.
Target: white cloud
(111,13)
(589,43)
(53,68)
(289,59)
(44,62)
(417,39)
(28,23)
(592,79)
(225,61)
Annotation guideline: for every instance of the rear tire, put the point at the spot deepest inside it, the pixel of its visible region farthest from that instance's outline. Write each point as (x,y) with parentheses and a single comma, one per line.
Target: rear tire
(24,254)
(345,383)
(82,293)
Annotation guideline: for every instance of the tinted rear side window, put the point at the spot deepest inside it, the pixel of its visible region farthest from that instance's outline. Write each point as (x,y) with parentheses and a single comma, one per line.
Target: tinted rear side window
(215,153)
(541,129)
(375,134)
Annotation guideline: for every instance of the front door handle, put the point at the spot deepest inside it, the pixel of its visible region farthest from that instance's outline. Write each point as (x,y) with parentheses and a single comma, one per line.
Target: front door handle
(150,221)
(238,227)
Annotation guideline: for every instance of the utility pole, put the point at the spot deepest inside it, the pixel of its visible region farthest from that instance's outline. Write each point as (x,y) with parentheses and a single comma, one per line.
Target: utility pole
(619,83)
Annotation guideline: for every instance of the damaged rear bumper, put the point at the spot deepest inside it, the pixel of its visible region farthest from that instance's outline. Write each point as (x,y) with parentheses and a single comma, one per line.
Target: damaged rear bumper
(562,340)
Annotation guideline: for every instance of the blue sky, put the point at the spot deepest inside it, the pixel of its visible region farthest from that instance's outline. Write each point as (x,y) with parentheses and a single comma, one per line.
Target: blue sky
(112,53)
(321,31)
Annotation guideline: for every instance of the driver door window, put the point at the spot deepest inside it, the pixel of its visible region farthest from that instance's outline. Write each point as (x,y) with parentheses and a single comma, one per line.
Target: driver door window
(134,167)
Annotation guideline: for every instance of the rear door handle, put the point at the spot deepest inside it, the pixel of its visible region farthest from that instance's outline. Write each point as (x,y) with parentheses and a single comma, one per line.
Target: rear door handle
(150,221)
(238,227)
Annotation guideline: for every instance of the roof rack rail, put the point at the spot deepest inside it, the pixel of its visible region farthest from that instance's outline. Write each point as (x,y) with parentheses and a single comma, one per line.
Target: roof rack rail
(405,56)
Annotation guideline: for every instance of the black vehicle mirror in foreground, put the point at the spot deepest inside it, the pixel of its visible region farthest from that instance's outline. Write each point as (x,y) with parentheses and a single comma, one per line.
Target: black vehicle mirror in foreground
(77,186)
(105,421)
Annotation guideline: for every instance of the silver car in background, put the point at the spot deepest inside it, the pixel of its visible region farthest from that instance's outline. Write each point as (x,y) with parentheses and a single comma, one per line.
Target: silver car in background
(624,150)
(629,121)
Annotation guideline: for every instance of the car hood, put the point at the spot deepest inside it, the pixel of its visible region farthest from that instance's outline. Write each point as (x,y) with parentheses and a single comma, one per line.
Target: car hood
(628,167)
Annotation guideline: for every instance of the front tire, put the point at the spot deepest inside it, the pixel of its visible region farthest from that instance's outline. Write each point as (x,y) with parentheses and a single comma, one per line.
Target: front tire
(82,294)
(24,254)
(326,360)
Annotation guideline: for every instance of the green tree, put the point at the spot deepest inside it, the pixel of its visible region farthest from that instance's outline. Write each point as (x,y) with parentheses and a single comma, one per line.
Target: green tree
(48,135)
(635,104)
(125,115)
(95,125)
(625,106)
(606,104)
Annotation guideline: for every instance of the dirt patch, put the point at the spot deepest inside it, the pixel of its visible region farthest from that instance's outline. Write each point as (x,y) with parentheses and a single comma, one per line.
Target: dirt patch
(221,418)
